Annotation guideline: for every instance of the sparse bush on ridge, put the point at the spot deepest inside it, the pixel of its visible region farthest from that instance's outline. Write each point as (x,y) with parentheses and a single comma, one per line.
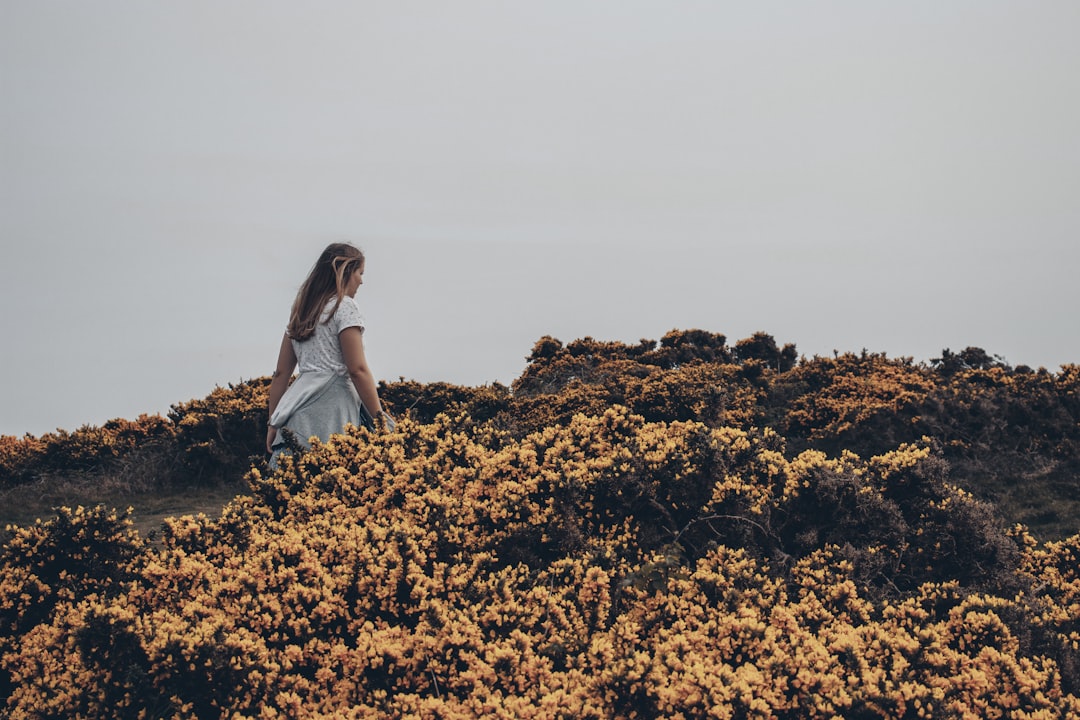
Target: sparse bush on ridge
(88,449)
(220,435)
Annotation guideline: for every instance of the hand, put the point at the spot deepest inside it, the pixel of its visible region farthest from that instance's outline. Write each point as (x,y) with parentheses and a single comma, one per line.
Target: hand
(271,434)
(388,422)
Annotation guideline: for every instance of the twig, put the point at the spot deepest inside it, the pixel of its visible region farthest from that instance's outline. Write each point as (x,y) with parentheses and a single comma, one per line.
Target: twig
(707,518)
(435,680)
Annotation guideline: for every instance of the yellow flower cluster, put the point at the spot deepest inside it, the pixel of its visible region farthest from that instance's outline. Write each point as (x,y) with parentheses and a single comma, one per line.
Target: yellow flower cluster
(214,438)
(851,389)
(22,459)
(1054,599)
(1011,435)
(19,453)
(608,568)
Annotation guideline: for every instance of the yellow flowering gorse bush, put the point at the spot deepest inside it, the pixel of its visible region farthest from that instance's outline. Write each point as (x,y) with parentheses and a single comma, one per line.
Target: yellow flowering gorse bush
(1011,435)
(608,567)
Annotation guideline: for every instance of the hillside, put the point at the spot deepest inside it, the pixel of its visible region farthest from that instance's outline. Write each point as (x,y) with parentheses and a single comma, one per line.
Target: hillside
(672,529)
(1010,436)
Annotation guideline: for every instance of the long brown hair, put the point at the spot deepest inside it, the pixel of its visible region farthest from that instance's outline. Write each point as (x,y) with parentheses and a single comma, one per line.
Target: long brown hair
(328,277)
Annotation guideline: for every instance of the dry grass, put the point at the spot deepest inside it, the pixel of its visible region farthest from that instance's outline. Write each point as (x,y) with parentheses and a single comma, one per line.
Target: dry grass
(150,503)
(146,480)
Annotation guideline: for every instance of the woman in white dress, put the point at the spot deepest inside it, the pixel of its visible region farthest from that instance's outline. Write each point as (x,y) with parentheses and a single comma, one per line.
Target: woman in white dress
(325,341)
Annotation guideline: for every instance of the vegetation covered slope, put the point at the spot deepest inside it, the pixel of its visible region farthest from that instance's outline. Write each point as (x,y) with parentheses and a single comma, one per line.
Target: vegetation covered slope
(679,529)
(1010,436)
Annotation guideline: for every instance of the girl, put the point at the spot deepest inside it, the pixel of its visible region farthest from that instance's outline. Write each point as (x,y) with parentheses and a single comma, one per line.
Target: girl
(325,338)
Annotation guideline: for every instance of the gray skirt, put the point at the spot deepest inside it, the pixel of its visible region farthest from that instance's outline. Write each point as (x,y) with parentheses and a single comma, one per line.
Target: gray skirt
(323,415)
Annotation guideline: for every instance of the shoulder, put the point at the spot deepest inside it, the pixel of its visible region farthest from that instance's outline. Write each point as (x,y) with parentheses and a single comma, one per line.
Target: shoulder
(348,314)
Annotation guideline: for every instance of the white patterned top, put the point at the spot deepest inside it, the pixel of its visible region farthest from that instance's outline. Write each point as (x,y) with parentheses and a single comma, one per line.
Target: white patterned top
(322,351)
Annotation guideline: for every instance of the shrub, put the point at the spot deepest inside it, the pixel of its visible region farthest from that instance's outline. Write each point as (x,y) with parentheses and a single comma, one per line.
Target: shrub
(89,449)
(608,568)
(221,435)
(57,563)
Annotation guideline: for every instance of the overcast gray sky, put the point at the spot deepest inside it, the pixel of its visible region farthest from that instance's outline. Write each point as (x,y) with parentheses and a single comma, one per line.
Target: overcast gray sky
(896,176)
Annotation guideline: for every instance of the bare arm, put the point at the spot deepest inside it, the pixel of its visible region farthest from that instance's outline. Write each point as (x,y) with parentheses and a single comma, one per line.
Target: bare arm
(352,351)
(279,383)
